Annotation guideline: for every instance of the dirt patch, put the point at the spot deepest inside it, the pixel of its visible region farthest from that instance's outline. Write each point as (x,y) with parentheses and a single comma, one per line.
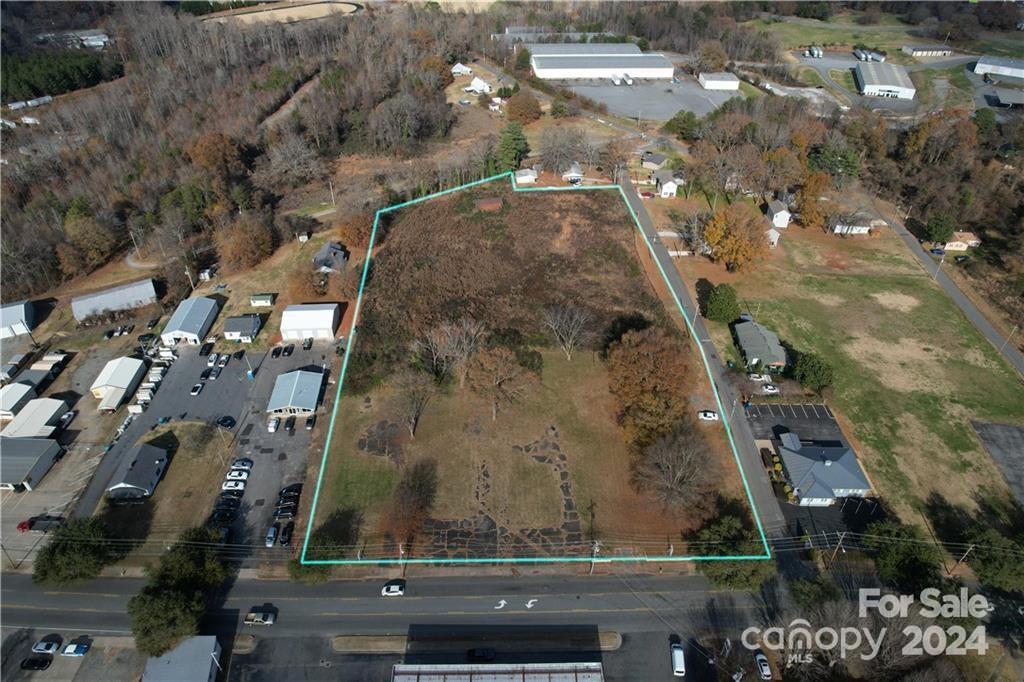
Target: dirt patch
(896,301)
(831,300)
(907,365)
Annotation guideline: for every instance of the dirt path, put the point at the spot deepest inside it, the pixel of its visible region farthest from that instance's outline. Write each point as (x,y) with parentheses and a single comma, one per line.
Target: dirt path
(288,107)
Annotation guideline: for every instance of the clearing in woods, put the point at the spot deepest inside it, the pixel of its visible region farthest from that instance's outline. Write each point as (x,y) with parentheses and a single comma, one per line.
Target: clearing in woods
(548,473)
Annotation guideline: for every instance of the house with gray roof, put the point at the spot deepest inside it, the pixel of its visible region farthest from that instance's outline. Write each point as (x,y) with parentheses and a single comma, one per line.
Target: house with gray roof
(24,461)
(243,328)
(653,161)
(16,319)
(777,213)
(296,392)
(124,297)
(667,181)
(139,478)
(821,474)
(760,346)
(191,321)
(332,257)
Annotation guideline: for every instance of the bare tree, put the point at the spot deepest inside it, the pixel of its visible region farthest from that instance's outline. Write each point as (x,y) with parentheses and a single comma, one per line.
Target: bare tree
(415,390)
(560,146)
(496,376)
(446,349)
(674,469)
(569,325)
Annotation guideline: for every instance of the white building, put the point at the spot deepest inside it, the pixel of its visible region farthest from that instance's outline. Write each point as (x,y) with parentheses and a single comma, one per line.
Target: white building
(856,223)
(117,380)
(191,321)
(927,50)
(16,319)
(478,86)
(37,419)
(666,182)
(778,214)
(24,461)
(773,236)
(575,67)
(195,659)
(310,321)
(296,392)
(961,241)
(884,80)
(13,397)
(124,297)
(527,176)
(461,69)
(1000,66)
(721,80)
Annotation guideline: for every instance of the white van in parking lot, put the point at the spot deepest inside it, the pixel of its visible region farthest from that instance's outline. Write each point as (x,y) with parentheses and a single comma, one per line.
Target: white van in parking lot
(678,661)
(273,424)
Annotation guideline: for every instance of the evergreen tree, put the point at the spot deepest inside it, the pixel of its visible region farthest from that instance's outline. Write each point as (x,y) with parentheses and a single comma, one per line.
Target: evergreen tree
(722,305)
(512,147)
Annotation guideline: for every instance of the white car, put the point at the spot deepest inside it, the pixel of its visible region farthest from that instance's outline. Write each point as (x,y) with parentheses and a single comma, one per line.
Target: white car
(45,647)
(196,389)
(75,650)
(66,419)
(763,669)
(770,389)
(273,424)
(233,485)
(237,475)
(393,588)
(211,361)
(760,378)
(707,416)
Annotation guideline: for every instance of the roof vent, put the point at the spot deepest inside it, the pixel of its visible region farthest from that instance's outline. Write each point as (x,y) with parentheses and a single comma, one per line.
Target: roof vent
(828,462)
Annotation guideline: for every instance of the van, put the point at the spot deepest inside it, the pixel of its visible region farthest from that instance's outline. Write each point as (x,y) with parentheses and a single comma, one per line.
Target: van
(678,661)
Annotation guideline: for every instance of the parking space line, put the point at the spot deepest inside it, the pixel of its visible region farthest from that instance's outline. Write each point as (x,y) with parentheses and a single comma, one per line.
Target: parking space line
(829,412)
(804,410)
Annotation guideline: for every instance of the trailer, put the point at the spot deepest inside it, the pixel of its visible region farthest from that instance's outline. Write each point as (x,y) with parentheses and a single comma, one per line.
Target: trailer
(626,77)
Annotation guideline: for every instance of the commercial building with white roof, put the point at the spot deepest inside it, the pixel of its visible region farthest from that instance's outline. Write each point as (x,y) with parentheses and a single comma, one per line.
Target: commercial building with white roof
(578,49)
(296,392)
(124,297)
(609,61)
(719,80)
(16,319)
(194,660)
(116,381)
(13,397)
(310,321)
(37,419)
(191,321)
(875,79)
(1000,66)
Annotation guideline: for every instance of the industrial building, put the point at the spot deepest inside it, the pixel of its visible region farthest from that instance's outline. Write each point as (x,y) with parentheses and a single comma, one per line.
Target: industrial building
(242,328)
(310,321)
(124,297)
(13,397)
(927,50)
(609,61)
(24,461)
(1000,66)
(16,319)
(116,381)
(140,477)
(1008,98)
(195,659)
(37,419)
(722,80)
(191,321)
(296,392)
(884,80)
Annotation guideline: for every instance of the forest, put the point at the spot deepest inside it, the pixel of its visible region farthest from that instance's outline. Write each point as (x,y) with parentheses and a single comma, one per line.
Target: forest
(54,73)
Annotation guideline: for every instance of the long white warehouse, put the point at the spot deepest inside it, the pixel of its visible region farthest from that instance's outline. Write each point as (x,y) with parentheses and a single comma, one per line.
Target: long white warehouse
(1000,66)
(884,80)
(578,49)
(602,67)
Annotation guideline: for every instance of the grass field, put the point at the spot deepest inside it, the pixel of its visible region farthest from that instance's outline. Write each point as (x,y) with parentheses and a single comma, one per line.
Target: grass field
(911,371)
(845,78)
(951,86)
(793,35)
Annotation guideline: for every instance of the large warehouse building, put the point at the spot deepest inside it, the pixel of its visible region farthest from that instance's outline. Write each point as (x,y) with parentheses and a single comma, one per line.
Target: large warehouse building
(884,80)
(1000,66)
(609,61)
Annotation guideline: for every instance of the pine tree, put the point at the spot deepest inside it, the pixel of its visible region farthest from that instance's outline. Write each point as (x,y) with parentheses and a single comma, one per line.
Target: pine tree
(512,147)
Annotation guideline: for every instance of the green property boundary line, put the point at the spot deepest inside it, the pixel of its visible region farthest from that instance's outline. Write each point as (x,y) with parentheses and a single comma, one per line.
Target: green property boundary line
(535,560)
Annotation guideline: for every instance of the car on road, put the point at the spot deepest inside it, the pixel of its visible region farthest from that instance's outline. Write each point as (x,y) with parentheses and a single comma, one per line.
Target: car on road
(196,389)
(223,361)
(937,252)
(288,350)
(233,485)
(273,424)
(310,422)
(393,588)
(763,669)
(46,646)
(268,541)
(226,422)
(286,534)
(214,373)
(760,378)
(770,389)
(237,475)
(242,464)
(153,323)
(307,343)
(205,374)
(647,195)
(678,660)
(66,419)
(75,650)
(275,353)
(211,361)
(36,663)
(289,424)
(707,416)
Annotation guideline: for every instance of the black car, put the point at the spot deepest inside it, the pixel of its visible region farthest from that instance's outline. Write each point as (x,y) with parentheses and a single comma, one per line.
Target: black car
(205,350)
(36,663)
(288,513)
(289,424)
(109,334)
(239,354)
(129,329)
(307,344)
(293,489)
(205,374)
(310,421)
(152,323)
(227,504)
(223,516)
(214,373)
(286,534)
(226,422)
(276,353)
(237,494)
(288,350)
(146,338)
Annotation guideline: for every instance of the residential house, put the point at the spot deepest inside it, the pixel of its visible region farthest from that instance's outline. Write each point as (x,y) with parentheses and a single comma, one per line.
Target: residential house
(310,321)
(778,214)
(296,392)
(13,397)
(116,381)
(526,176)
(332,257)
(856,223)
(124,297)
(478,86)
(16,319)
(24,461)
(191,321)
(461,69)
(195,659)
(760,346)
(242,328)
(821,474)
(140,477)
(574,175)
(773,236)
(37,418)
(262,300)
(667,182)
(962,241)
(653,161)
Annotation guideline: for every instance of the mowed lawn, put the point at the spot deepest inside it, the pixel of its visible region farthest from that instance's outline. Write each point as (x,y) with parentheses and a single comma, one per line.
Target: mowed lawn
(911,371)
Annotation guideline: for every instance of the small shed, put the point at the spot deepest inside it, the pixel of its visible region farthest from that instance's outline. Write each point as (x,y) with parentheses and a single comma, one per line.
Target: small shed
(526,176)
(460,69)
(773,236)
(146,465)
(242,328)
(262,300)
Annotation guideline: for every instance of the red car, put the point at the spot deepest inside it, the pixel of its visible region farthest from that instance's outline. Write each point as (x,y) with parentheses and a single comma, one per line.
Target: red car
(647,195)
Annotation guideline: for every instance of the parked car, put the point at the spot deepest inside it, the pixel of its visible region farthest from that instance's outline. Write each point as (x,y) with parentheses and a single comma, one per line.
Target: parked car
(961,259)
(129,329)
(75,650)
(282,514)
(293,489)
(237,475)
(36,663)
(204,352)
(310,421)
(286,534)
(678,660)
(763,669)
(223,362)
(109,334)
(242,464)
(289,424)
(273,424)
(647,195)
(196,389)
(212,360)
(205,374)
(937,252)
(307,344)
(761,378)
(257,617)
(707,416)
(393,588)
(268,541)
(153,323)
(214,373)
(276,352)
(233,485)
(226,422)
(235,494)
(46,646)
(288,350)
(770,389)
(146,338)
(66,419)
(239,354)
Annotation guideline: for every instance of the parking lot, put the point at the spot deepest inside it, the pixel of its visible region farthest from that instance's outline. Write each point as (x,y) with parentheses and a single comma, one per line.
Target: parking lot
(657,100)
(108,658)
(810,421)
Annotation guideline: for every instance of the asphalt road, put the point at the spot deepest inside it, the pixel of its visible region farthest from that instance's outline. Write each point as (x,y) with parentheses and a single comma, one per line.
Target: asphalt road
(765,502)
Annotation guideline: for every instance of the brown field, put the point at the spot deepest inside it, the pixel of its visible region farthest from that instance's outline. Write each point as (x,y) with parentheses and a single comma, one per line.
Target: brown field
(553,470)
(284,12)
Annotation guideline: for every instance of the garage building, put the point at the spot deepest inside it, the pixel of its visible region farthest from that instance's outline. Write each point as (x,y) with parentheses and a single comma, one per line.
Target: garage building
(24,461)
(13,397)
(37,419)
(310,321)
(927,50)
(581,49)
(140,477)
(721,80)
(124,297)
(884,80)
(296,392)
(652,66)
(1000,66)
(16,319)
(118,378)
(191,321)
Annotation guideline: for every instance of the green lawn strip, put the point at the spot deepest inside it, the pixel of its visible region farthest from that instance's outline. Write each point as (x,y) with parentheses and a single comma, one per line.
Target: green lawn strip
(845,78)
(750,91)
(798,35)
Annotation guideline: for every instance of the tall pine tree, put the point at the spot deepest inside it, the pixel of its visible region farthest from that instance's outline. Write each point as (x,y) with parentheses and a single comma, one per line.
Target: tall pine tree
(512,147)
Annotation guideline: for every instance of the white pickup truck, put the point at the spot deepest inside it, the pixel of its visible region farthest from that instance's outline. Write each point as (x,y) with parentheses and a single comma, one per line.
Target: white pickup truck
(260,618)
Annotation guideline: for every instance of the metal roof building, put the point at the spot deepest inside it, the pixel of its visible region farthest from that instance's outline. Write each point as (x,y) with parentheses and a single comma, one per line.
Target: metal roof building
(719,80)
(1009,98)
(24,461)
(332,257)
(242,328)
(884,80)
(498,672)
(928,50)
(193,660)
(581,49)
(1000,66)
(760,345)
(37,419)
(191,321)
(591,66)
(140,476)
(821,474)
(116,380)
(124,297)
(16,319)
(13,397)
(296,392)
(310,321)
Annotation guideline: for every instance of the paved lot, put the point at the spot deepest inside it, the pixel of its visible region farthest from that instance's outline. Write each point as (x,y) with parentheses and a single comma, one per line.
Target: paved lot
(1006,445)
(109,658)
(810,422)
(658,100)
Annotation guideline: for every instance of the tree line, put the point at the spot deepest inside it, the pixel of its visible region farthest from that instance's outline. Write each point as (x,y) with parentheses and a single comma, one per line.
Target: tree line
(55,72)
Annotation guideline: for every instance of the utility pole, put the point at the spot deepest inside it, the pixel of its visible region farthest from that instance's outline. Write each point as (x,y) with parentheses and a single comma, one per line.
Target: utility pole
(131,233)
(839,546)
(331,185)
(593,555)
(189,274)
(1007,340)
(960,560)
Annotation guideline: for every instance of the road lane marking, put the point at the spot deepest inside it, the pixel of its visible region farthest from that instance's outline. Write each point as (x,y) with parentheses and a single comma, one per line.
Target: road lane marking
(34,607)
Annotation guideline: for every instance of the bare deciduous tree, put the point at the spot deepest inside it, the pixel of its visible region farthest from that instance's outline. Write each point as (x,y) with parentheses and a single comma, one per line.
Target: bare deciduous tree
(675,468)
(496,376)
(415,390)
(570,325)
(446,349)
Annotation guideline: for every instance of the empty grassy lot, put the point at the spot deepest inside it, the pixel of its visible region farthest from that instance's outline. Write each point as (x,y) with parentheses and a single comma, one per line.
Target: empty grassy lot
(845,78)
(793,35)
(911,371)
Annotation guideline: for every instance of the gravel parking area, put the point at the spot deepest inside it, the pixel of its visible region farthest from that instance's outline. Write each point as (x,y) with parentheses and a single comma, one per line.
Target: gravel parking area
(657,100)
(1006,445)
